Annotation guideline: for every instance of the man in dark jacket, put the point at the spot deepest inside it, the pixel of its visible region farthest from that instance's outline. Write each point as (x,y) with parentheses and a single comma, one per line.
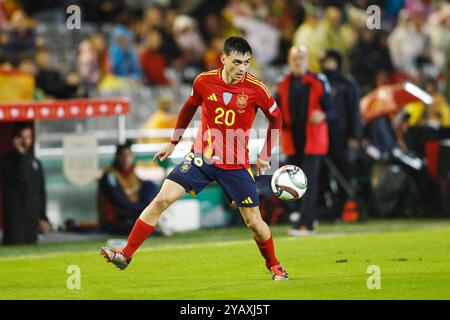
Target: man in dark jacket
(22,184)
(346,130)
(306,108)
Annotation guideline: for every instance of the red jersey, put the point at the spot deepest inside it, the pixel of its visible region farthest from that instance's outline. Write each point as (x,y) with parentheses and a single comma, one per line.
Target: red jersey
(228,111)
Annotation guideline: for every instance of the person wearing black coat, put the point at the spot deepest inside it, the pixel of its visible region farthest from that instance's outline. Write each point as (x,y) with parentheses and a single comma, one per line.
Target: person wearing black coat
(345,130)
(23,189)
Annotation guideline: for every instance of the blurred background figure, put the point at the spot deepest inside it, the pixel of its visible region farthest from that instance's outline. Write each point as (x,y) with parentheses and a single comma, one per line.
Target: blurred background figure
(51,81)
(21,39)
(304,100)
(153,61)
(212,54)
(191,44)
(23,186)
(308,32)
(88,67)
(162,118)
(345,131)
(100,47)
(122,195)
(123,58)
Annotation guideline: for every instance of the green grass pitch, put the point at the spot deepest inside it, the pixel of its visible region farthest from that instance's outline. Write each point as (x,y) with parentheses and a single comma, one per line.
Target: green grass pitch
(413,257)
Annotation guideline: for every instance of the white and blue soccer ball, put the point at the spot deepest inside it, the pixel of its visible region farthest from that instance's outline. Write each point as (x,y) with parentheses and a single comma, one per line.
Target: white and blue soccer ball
(289,183)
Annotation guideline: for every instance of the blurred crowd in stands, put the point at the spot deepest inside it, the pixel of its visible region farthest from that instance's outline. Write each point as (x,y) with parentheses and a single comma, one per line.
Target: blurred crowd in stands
(147,40)
(164,44)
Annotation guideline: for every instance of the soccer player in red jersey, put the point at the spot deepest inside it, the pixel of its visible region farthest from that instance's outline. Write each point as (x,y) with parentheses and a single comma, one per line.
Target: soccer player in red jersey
(229,98)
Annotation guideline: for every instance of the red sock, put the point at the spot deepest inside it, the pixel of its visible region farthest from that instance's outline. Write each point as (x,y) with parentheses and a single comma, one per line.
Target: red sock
(137,236)
(268,252)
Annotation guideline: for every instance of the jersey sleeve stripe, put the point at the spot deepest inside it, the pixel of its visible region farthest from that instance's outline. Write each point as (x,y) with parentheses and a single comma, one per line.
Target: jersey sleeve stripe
(259,81)
(273,107)
(207,73)
(260,85)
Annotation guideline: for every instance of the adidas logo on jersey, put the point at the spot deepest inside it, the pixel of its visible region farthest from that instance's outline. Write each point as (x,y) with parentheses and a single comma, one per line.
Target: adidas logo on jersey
(247,201)
(212,97)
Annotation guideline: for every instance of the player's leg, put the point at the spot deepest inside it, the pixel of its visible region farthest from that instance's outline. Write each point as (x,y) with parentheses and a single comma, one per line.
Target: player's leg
(169,193)
(147,221)
(263,238)
(185,177)
(261,233)
(145,224)
(240,187)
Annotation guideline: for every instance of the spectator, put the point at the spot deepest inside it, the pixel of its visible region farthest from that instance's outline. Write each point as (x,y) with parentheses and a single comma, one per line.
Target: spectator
(28,66)
(425,7)
(361,65)
(438,26)
(21,41)
(152,60)
(24,197)
(153,19)
(211,28)
(376,60)
(333,34)
(397,37)
(408,42)
(170,48)
(189,40)
(213,53)
(282,17)
(162,118)
(308,32)
(381,56)
(122,56)
(51,81)
(100,47)
(87,65)
(259,9)
(381,135)
(100,11)
(345,132)
(264,39)
(304,101)
(122,195)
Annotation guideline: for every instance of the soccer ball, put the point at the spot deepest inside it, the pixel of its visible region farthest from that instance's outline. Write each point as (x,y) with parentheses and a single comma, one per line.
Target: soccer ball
(289,183)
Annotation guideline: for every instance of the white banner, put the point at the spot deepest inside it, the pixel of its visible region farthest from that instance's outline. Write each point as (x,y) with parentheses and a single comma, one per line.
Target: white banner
(80,164)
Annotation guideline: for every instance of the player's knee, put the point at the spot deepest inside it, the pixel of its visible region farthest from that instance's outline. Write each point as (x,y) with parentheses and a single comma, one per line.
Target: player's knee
(162,201)
(253,224)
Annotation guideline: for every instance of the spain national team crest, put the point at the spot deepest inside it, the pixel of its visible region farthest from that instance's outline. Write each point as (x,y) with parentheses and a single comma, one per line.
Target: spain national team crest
(241,101)
(185,167)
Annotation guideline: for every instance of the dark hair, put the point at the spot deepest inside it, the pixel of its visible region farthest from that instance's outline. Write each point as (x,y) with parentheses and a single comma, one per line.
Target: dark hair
(334,54)
(122,146)
(119,149)
(19,127)
(236,44)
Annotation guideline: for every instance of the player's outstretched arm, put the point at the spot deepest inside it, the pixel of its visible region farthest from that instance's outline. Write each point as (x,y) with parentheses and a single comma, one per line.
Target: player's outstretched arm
(165,152)
(187,112)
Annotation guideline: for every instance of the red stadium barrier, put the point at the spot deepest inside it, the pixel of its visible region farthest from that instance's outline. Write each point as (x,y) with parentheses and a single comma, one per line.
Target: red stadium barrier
(63,109)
